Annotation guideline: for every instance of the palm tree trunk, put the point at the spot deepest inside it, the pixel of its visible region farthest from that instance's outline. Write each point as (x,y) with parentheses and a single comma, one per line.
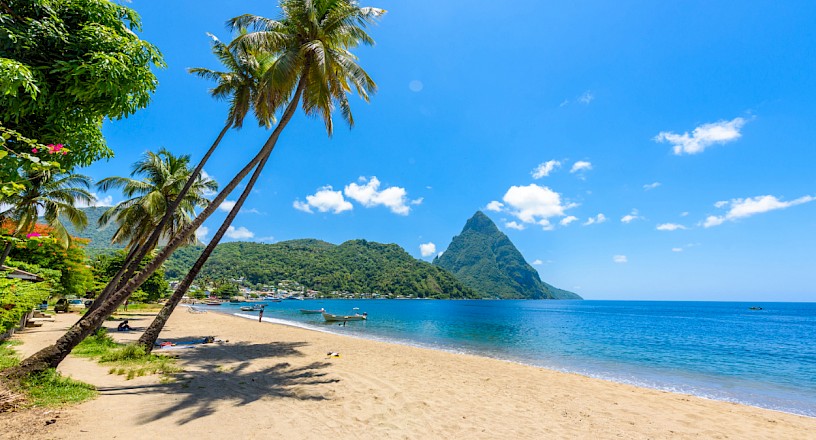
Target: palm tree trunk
(52,355)
(149,337)
(135,256)
(6,251)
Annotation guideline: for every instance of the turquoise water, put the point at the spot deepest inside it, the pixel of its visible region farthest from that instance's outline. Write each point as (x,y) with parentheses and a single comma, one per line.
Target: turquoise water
(718,350)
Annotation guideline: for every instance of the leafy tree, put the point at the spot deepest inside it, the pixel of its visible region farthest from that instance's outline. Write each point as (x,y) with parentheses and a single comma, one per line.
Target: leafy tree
(67,64)
(226,291)
(106,266)
(55,195)
(149,198)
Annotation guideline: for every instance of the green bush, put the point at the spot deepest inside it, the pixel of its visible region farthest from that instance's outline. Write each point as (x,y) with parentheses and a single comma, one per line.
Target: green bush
(18,298)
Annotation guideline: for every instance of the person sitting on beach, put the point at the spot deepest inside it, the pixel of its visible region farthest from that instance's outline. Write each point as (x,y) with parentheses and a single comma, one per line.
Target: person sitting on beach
(123,326)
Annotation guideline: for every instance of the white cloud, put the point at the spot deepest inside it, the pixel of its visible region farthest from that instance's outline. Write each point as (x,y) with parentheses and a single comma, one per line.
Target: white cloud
(369,195)
(495,206)
(677,249)
(533,203)
(586,97)
(670,227)
(324,200)
(567,220)
(427,249)
(703,136)
(741,208)
(227,205)
(600,218)
(628,218)
(239,233)
(684,214)
(650,186)
(544,169)
(514,225)
(201,233)
(415,85)
(537,263)
(721,204)
(269,239)
(581,165)
(96,201)
(418,201)
(620,259)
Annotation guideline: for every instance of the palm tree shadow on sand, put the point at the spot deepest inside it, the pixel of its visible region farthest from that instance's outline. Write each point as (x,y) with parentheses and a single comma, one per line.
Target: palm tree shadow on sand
(230,373)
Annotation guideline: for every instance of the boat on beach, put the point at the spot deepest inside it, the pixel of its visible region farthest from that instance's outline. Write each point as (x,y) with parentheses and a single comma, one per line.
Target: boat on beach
(312,312)
(342,318)
(213,303)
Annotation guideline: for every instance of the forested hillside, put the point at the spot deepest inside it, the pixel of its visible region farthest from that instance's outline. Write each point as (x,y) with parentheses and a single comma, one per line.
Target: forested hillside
(357,266)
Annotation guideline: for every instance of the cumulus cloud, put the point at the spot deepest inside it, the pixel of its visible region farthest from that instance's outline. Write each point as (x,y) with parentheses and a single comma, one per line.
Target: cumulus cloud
(581,165)
(544,169)
(534,204)
(537,263)
(586,97)
(703,136)
(427,249)
(670,227)
(741,208)
(495,206)
(368,194)
(600,218)
(201,233)
(96,201)
(650,186)
(632,216)
(239,233)
(324,200)
(620,259)
(677,249)
(514,225)
(227,205)
(567,220)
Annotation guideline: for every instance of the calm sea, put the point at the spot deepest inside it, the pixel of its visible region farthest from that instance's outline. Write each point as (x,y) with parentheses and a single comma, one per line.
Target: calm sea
(718,350)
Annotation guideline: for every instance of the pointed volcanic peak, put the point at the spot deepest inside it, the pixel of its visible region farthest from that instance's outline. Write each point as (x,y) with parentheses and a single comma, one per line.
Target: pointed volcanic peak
(484,259)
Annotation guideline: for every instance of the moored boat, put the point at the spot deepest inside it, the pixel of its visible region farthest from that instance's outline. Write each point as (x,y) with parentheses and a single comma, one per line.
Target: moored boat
(312,312)
(253,308)
(335,318)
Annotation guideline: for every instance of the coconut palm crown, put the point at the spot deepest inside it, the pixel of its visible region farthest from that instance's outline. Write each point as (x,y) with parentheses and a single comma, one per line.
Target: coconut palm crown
(164,175)
(311,41)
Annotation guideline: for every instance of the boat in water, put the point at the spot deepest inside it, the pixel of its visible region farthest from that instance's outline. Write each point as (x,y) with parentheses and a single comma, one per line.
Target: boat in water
(253,308)
(312,312)
(212,303)
(343,318)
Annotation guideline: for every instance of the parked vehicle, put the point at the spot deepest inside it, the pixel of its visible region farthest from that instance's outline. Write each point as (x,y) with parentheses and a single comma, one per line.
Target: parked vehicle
(76,304)
(61,305)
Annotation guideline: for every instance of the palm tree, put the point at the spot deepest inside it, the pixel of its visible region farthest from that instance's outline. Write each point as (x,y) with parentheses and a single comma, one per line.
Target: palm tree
(54,196)
(239,85)
(310,45)
(148,200)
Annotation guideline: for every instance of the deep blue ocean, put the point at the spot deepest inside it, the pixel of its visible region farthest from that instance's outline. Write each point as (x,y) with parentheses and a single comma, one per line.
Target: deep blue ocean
(718,350)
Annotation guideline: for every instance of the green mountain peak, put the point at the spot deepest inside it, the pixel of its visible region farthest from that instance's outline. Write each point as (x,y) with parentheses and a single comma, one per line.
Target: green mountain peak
(484,259)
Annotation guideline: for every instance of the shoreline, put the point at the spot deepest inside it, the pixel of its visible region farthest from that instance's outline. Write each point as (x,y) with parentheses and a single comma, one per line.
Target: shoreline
(635,382)
(278,381)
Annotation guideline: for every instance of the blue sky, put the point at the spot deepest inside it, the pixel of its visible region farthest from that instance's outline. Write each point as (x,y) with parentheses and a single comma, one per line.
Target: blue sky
(630,149)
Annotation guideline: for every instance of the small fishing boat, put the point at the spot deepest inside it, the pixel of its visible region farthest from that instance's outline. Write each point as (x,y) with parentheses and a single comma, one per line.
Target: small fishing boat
(253,308)
(272,299)
(342,318)
(213,303)
(755,308)
(312,312)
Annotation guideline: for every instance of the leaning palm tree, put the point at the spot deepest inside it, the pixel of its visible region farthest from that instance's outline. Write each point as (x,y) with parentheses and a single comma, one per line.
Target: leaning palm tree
(52,196)
(312,61)
(238,84)
(311,43)
(148,199)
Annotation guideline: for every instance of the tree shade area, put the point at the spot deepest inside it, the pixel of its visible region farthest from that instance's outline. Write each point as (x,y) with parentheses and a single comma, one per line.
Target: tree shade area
(356,266)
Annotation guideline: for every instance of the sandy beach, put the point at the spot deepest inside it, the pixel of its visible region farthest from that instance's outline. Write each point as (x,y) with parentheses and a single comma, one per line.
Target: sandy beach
(276,381)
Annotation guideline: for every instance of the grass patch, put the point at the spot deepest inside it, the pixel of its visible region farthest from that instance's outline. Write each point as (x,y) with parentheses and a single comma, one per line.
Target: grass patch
(142,307)
(45,389)
(127,360)
(49,388)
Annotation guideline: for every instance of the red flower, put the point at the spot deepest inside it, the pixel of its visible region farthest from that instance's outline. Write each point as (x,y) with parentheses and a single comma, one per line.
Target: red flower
(34,150)
(33,235)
